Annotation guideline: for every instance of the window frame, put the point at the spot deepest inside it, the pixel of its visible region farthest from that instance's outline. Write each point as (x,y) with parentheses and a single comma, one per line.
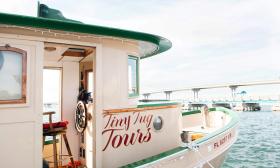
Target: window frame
(131,95)
(23,53)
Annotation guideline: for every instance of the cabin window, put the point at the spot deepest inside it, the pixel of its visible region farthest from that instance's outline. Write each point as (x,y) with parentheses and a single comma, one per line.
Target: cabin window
(12,75)
(89,82)
(133,88)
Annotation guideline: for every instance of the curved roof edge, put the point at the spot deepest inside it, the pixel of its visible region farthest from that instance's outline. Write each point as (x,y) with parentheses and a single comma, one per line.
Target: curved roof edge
(162,43)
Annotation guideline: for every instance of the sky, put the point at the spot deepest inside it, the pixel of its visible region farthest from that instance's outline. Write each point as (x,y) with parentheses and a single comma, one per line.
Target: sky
(214,41)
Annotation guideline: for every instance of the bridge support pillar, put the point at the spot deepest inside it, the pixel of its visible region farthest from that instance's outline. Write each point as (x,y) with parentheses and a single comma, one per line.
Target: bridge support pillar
(167,94)
(146,95)
(233,92)
(195,94)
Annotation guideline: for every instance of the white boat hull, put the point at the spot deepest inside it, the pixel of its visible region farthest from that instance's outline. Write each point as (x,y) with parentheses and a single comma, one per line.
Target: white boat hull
(207,152)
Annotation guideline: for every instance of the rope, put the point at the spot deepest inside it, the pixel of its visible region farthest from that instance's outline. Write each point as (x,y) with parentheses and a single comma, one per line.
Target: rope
(194,147)
(205,160)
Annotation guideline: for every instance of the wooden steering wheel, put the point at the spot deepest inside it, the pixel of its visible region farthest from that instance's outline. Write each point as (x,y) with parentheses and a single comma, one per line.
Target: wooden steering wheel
(81,117)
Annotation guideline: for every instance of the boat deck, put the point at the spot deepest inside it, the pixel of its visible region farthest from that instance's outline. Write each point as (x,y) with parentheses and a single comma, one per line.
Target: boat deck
(201,129)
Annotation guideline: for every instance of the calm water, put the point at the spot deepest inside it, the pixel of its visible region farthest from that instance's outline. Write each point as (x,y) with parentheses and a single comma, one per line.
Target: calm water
(258,144)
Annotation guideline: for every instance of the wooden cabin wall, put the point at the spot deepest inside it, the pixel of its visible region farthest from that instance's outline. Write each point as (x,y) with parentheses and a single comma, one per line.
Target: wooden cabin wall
(115,76)
(21,124)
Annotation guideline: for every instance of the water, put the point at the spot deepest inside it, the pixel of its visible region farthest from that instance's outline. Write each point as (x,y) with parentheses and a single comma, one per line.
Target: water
(258,144)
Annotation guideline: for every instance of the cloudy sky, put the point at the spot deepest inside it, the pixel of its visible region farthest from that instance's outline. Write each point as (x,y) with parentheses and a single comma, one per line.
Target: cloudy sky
(214,41)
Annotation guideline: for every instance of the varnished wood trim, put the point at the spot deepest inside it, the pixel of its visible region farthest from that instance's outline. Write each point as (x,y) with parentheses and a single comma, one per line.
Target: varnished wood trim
(127,110)
(73,54)
(24,75)
(60,58)
(49,113)
(78,54)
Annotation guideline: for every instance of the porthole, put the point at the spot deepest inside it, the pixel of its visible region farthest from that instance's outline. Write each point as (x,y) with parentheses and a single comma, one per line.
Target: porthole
(158,123)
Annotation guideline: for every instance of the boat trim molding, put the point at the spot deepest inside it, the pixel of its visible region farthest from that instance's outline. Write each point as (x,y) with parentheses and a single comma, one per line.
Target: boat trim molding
(139,109)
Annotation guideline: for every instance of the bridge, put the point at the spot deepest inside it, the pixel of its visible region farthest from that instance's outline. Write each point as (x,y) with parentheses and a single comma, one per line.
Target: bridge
(232,86)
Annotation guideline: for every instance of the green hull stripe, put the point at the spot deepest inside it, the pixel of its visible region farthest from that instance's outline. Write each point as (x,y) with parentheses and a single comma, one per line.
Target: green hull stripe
(234,121)
(68,26)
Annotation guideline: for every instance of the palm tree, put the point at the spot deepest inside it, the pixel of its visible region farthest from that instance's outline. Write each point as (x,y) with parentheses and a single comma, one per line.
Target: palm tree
(242,93)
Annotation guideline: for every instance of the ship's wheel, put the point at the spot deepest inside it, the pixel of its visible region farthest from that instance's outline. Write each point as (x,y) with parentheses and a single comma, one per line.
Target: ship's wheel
(81,117)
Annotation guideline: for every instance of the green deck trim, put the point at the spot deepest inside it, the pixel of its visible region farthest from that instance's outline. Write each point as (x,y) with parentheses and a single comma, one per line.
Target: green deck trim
(163,44)
(156,104)
(234,121)
(184,113)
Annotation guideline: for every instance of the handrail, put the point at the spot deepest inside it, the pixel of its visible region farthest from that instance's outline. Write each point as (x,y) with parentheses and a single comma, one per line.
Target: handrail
(214,86)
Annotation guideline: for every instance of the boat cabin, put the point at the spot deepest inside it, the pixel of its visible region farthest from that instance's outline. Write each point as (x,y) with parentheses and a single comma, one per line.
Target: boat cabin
(86,75)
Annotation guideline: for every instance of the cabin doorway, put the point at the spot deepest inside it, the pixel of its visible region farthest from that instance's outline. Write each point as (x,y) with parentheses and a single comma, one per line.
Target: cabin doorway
(51,103)
(69,72)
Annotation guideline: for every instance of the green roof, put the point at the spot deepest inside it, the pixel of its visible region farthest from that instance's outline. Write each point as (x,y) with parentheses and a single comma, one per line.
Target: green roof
(68,25)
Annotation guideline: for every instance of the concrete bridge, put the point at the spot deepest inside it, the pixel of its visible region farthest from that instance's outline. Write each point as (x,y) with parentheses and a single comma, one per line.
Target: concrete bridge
(232,86)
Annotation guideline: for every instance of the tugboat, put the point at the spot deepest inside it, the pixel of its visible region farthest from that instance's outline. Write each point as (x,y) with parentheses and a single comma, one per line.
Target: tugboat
(102,122)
